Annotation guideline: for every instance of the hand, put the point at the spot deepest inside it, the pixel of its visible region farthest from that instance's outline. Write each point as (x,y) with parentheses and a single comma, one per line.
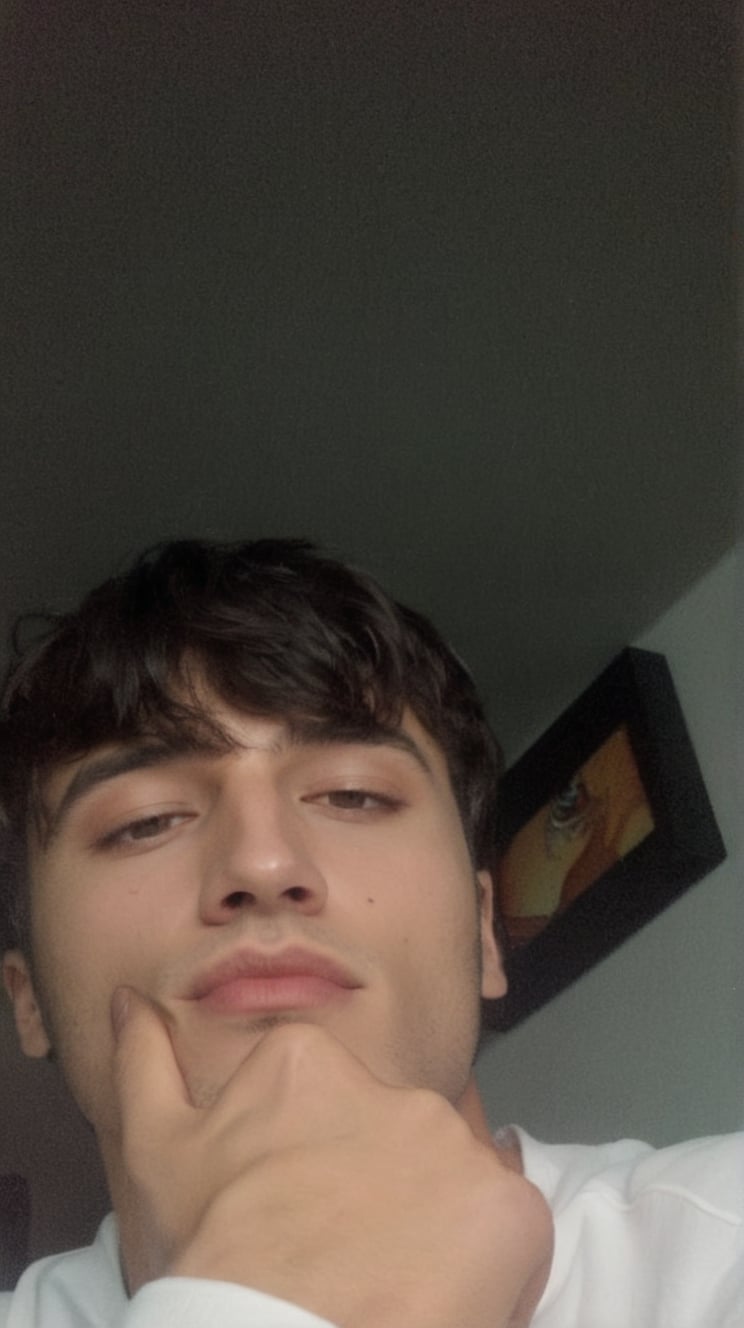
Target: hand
(308,1179)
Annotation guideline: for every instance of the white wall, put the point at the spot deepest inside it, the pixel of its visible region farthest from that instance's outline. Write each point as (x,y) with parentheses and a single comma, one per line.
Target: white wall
(650,1043)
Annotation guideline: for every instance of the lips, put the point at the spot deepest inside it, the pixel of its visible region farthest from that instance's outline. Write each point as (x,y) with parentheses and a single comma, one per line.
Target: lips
(253,980)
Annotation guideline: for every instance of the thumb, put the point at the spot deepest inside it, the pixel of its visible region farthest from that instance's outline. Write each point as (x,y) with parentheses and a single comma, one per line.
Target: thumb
(149,1086)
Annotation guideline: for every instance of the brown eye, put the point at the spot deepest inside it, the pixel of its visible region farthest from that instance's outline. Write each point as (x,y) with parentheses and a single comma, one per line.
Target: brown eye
(356,799)
(148,827)
(142,829)
(359,800)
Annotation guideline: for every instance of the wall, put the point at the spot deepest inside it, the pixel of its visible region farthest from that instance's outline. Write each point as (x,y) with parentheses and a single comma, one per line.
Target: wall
(650,1043)
(44,1136)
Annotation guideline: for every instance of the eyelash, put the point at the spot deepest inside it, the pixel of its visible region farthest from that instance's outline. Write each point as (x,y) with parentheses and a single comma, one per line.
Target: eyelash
(117,838)
(346,800)
(381,801)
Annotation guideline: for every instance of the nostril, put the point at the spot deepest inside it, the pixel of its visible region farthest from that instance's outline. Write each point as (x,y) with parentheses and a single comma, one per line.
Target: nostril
(298,893)
(238,899)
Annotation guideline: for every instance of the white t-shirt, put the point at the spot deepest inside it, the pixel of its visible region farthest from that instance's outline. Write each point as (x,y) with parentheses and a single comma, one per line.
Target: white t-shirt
(644,1239)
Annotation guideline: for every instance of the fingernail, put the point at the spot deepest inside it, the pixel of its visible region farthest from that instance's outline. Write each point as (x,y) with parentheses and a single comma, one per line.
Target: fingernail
(119,1009)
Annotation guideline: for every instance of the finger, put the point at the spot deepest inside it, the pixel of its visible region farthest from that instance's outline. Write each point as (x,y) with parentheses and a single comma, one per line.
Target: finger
(307,1050)
(149,1085)
(300,1064)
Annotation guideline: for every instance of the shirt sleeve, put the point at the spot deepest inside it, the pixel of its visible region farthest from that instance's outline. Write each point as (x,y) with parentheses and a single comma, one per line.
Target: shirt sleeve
(198,1303)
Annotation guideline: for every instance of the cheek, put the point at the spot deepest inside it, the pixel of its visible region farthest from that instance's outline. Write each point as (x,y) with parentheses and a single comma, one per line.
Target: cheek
(85,942)
(81,916)
(419,906)
(81,955)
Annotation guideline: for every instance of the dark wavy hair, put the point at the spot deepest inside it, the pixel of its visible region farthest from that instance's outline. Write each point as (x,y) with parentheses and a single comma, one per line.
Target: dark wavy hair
(273,627)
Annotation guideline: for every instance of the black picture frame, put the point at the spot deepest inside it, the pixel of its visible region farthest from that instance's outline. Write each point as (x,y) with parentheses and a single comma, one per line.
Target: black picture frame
(679,843)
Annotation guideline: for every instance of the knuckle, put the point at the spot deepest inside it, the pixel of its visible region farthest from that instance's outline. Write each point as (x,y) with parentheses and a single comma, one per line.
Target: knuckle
(528,1211)
(432,1112)
(536,1210)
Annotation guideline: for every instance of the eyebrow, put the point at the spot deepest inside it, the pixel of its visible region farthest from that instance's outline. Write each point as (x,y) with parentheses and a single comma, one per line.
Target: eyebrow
(325,735)
(100,769)
(147,756)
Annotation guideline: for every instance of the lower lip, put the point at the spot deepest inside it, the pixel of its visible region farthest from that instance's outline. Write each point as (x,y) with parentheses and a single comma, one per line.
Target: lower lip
(298,991)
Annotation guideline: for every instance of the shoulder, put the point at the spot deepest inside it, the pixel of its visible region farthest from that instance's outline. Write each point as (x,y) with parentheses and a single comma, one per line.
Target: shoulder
(708,1173)
(661,1230)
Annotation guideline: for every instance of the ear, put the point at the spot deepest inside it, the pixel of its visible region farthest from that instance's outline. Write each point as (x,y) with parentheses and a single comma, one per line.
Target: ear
(32,1034)
(493,982)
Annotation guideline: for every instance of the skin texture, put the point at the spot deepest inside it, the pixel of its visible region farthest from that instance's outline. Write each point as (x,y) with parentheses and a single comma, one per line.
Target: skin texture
(212,1123)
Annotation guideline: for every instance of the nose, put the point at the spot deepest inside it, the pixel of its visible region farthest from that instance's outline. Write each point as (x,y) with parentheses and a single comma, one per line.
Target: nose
(258,858)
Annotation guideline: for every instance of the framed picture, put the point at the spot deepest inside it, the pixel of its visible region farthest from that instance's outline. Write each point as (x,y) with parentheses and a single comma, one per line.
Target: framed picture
(602,824)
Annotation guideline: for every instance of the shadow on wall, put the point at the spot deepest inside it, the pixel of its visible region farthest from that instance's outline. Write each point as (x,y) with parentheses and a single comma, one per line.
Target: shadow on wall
(15,1219)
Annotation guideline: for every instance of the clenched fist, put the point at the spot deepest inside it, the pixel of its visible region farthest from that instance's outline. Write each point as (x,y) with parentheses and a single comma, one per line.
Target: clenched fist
(309,1179)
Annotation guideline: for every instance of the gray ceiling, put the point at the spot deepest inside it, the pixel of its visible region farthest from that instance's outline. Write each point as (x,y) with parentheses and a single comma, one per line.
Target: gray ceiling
(445,286)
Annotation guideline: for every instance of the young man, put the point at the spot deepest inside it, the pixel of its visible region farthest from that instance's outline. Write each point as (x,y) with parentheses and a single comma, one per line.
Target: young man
(249,804)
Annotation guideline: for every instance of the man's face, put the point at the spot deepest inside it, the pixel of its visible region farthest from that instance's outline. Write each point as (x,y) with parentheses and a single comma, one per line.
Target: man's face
(222,886)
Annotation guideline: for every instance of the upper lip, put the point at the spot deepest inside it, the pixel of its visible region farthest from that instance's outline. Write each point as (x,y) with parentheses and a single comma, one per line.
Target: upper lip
(293,961)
